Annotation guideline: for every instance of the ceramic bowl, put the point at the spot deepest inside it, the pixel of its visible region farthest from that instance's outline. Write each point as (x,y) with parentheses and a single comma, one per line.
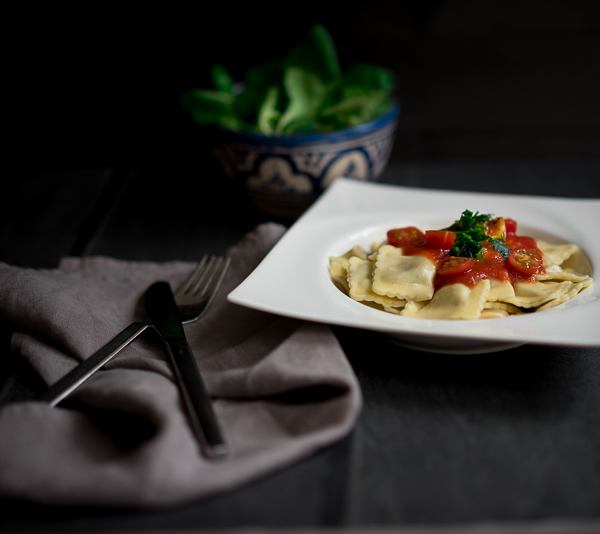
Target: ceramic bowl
(282,175)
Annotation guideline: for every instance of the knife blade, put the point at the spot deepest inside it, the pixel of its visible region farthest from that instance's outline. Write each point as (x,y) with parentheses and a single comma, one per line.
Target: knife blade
(163,314)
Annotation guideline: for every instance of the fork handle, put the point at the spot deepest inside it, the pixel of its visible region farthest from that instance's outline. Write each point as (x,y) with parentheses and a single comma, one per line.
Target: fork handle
(70,382)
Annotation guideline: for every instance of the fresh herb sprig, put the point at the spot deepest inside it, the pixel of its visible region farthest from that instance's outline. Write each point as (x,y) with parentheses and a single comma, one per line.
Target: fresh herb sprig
(470,234)
(501,247)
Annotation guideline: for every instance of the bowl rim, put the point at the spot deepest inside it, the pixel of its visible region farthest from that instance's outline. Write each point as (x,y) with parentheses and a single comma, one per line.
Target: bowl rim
(352,131)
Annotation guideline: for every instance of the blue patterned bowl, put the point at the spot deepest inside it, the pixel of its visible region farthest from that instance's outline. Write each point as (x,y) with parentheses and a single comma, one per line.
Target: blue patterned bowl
(282,175)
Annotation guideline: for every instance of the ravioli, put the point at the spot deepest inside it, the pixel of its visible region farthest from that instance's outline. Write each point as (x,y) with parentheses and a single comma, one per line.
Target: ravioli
(500,290)
(494,313)
(344,259)
(571,292)
(556,254)
(338,267)
(360,276)
(532,295)
(510,309)
(452,302)
(523,275)
(339,274)
(403,277)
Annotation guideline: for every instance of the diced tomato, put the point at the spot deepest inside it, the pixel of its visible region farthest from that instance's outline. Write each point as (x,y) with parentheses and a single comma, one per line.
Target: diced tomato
(443,239)
(496,227)
(511,226)
(453,265)
(525,260)
(409,235)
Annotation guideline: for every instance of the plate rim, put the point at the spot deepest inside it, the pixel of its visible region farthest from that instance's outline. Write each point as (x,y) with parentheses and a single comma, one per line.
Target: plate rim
(330,207)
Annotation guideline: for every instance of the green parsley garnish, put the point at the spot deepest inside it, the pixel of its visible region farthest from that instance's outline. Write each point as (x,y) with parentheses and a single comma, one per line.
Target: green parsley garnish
(465,246)
(469,220)
(470,234)
(501,247)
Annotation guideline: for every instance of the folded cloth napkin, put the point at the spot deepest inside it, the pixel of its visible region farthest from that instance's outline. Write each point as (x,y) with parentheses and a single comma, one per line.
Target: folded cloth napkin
(282,387)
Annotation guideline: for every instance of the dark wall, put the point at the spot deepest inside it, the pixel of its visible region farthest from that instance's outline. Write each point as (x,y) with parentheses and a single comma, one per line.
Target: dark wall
(95,85)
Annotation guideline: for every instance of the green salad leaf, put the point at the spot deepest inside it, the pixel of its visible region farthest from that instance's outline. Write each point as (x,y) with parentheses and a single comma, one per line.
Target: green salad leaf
(316,53)
(304,91)
(222,80)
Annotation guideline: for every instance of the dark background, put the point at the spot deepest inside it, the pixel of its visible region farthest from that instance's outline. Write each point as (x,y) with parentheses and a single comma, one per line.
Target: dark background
(98,85)
(500,97)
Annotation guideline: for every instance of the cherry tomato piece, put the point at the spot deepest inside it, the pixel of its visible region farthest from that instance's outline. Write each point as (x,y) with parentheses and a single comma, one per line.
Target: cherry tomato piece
(496,227)
(455,265)
(443,239)
(525,260)
(511,226)
(409,235)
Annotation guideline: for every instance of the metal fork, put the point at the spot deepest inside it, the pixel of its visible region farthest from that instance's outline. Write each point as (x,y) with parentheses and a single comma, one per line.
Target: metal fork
(192,299)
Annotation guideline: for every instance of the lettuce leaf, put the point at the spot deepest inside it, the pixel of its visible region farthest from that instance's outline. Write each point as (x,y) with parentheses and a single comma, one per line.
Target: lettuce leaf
(305,91)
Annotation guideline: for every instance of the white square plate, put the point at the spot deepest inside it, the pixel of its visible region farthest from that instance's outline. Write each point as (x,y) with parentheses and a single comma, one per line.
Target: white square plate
(293,280)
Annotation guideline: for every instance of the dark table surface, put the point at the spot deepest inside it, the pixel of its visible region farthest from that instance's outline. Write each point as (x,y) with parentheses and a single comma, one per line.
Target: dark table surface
(508,436)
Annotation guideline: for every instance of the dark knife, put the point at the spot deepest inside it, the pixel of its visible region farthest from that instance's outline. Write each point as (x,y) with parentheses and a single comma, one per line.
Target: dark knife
(164,316)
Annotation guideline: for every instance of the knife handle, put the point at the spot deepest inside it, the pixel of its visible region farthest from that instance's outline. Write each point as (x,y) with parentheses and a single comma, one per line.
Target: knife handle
(197,400)
(71,381)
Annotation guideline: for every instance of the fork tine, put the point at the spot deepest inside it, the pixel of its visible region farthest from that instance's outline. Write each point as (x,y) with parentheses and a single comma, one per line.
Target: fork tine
(207,277)
(212,285)
(192,277)
(204,278)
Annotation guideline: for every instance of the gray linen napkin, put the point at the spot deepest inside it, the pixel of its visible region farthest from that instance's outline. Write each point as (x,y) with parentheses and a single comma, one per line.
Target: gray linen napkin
(132,445)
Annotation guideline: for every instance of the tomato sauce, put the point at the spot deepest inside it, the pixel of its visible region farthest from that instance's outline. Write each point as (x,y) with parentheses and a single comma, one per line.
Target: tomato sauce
(490,265)
(514,241)
(436,255)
